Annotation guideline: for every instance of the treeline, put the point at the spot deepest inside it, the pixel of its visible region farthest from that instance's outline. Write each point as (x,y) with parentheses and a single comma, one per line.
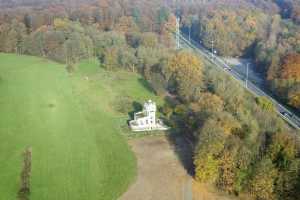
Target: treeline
(267,31)
(241,146)
(68,33)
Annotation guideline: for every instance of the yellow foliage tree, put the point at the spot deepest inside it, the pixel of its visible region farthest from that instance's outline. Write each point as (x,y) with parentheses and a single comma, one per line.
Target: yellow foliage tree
(262,184)
(208,102)
(186,69)
(206,168)
(294,96)
(60,24)
(294,99)
(227,172)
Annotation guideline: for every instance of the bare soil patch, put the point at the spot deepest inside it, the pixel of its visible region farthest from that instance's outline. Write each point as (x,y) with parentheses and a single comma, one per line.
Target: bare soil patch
(161,176)
(164,172)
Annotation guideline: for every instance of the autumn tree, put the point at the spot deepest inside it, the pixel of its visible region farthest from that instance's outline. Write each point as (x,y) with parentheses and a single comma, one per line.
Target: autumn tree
(288,182)
(208,102)
(206,168)
(229,91)
(294,96)
(109,58)
(77,47)
(127,58)
(166,31)
(149,39)
(283,149)
(228,166)
(126,24)
(262,183)
(61,24)
(34,44)
(12,36)
(232,31)
(284,153)
(291,67)
(296,12)
(185,69)
(211,143)
(265,103)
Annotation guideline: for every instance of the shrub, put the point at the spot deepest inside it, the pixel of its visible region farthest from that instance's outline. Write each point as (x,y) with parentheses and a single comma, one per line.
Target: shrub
(123,104)
(24,190)
(265,103)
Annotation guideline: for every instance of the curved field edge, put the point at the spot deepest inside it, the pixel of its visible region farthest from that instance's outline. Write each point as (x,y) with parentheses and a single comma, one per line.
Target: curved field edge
(69,122)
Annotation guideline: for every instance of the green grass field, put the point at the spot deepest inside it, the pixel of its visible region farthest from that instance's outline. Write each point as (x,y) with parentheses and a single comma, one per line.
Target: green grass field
(71,125)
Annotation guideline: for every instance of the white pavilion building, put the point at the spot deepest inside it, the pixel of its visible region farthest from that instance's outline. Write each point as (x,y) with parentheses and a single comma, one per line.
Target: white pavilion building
(146,119)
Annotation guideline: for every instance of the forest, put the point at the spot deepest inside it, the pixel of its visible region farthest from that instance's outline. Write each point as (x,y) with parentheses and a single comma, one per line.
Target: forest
(241,146)
(266,31)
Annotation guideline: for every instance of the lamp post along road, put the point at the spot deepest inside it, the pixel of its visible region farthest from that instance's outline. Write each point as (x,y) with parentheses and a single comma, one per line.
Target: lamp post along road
(189,33)
(212,48)
(177,33)
(247,74)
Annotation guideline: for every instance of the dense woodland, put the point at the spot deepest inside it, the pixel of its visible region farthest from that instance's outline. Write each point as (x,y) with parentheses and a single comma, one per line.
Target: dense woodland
(241,146)
(266,31)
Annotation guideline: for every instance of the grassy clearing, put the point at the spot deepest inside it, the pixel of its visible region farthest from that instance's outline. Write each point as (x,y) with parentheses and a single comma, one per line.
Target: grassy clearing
(70,124)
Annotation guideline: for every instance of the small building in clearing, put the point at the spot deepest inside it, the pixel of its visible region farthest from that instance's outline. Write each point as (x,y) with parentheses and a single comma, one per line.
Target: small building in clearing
(146,119)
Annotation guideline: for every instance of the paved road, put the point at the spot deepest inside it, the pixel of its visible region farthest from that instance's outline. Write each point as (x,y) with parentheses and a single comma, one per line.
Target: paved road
(240,65)
(282,111)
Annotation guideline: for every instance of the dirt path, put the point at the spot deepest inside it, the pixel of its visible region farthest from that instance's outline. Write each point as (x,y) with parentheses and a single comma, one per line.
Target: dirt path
(161,176)
(162,172)
(187,192)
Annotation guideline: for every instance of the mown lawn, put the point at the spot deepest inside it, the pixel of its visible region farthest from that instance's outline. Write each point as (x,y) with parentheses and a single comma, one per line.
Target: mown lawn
(71,125)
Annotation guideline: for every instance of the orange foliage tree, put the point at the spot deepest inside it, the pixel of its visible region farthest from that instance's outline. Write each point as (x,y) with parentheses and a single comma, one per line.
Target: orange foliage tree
(290,68)
(294,96)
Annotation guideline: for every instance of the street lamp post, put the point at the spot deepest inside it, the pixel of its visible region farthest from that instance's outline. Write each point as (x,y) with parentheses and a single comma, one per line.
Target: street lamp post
(189,34)
(212,48)
(177,33)
(247,75)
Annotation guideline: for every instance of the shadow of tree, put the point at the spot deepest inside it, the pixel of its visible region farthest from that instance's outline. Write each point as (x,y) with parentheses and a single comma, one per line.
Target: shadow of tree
(146,85)
(136,108)
(183,149)
(182,146)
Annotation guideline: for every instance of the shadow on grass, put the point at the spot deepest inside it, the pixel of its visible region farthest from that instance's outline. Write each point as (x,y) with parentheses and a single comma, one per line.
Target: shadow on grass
(146,85)
(137,107)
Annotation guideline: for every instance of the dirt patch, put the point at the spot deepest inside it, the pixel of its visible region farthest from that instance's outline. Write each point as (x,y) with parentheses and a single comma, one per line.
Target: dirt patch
(164,172)
(160,172)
